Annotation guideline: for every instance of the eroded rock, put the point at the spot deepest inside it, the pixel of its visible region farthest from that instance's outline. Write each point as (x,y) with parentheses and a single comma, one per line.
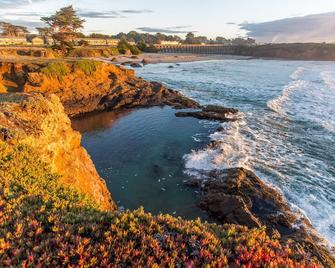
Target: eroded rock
(238,196)
(211,112)
(108,87)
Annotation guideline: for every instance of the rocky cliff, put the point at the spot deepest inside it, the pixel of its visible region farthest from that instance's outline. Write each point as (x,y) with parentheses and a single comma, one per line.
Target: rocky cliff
(298,51)
(85,86)
(40,122)
(238,196)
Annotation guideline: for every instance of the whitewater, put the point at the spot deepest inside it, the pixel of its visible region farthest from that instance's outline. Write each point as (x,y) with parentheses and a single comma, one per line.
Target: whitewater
(285,130)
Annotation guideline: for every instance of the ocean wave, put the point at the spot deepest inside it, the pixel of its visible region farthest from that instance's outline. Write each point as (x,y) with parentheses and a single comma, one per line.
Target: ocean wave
(329,126)
(277,104)
(328,78)
(228,148)
(297,73)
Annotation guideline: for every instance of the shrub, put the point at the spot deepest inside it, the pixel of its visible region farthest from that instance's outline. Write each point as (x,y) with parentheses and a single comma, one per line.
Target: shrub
(56,69)
(93,52)
(147,48)
(83,43)
(134,50)
(87,66)
(123,47)
(113,51)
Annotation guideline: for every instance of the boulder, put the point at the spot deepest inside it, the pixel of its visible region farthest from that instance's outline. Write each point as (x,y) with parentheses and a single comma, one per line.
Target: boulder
(136,65)
(211,112)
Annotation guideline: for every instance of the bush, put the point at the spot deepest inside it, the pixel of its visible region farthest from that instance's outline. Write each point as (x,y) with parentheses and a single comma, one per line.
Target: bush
(113,51)
(94,52)
(123,47)
(56,69)
(148,49)
(134,50)
(87,66)
(83,43)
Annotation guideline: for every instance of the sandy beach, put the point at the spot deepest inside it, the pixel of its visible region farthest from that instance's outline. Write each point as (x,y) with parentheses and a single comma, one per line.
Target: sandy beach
(152,58)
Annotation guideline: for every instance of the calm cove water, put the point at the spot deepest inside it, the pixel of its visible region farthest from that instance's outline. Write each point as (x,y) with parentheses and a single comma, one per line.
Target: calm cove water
(285,133)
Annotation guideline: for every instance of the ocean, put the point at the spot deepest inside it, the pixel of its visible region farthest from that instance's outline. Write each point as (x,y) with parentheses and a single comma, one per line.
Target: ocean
(285,133)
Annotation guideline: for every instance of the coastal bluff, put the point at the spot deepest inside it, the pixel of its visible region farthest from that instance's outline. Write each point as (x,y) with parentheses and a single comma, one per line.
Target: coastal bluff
(40,122)
(85,86)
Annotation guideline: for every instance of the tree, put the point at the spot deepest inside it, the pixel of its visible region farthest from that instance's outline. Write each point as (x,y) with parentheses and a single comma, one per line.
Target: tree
(8,29)
(64,26)
(189,38)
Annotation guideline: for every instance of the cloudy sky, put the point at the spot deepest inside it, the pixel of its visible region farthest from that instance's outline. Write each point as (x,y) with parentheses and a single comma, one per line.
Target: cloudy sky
(266,20)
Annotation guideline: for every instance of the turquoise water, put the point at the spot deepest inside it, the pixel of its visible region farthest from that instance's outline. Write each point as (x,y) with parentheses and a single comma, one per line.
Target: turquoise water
(140,155)
(285,132)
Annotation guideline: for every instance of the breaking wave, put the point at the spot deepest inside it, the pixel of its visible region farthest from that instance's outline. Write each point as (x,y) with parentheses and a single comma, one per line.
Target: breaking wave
(278,104)
(297,73)
(329,79)
(228,148)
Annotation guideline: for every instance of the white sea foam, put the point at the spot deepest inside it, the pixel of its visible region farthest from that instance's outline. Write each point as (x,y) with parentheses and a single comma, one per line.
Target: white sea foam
(329,126)
(297,73)
(278,104)
(328,78)
(230,150)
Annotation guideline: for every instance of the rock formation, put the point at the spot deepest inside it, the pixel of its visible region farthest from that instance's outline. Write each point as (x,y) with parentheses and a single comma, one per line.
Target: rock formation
(211,112)
(40,122)
(238,196)
(82,90)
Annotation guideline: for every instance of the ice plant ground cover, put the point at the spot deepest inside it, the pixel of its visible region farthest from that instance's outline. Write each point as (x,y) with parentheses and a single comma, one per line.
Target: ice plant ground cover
(43,223)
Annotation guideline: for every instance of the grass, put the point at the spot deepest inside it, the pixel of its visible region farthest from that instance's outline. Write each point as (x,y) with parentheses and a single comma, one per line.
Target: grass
(56,69)
(16,98)
(87,66)
(94,52)
(45,224)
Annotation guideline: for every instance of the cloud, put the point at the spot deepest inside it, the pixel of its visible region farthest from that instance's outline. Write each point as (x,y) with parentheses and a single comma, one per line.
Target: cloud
(23,14)
(136,11)
(9,3)
(311,28)
(100,15)
(167,30)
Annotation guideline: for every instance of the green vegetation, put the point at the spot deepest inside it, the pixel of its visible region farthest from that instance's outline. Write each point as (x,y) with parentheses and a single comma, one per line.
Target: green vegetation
(147,48)
(93,52)
(56,69)
(87,66)
(63,26)
(45,224)
(123,47)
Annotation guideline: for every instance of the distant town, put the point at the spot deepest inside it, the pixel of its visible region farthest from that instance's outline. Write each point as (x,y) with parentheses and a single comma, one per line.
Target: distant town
(15,35)
(63,34)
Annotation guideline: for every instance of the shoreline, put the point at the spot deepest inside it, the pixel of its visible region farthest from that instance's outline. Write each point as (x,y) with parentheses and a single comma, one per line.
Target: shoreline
(155,58)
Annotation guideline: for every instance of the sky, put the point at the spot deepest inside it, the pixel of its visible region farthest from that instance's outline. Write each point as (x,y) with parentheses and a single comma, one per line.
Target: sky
(266,20)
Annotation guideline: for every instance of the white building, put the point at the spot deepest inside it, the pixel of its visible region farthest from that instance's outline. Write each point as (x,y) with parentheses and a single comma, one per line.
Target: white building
(169,43)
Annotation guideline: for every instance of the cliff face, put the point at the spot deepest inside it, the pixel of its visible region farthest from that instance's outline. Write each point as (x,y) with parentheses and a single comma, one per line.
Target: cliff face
(86,86)
(40,122)
(298,51)
(28,51)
